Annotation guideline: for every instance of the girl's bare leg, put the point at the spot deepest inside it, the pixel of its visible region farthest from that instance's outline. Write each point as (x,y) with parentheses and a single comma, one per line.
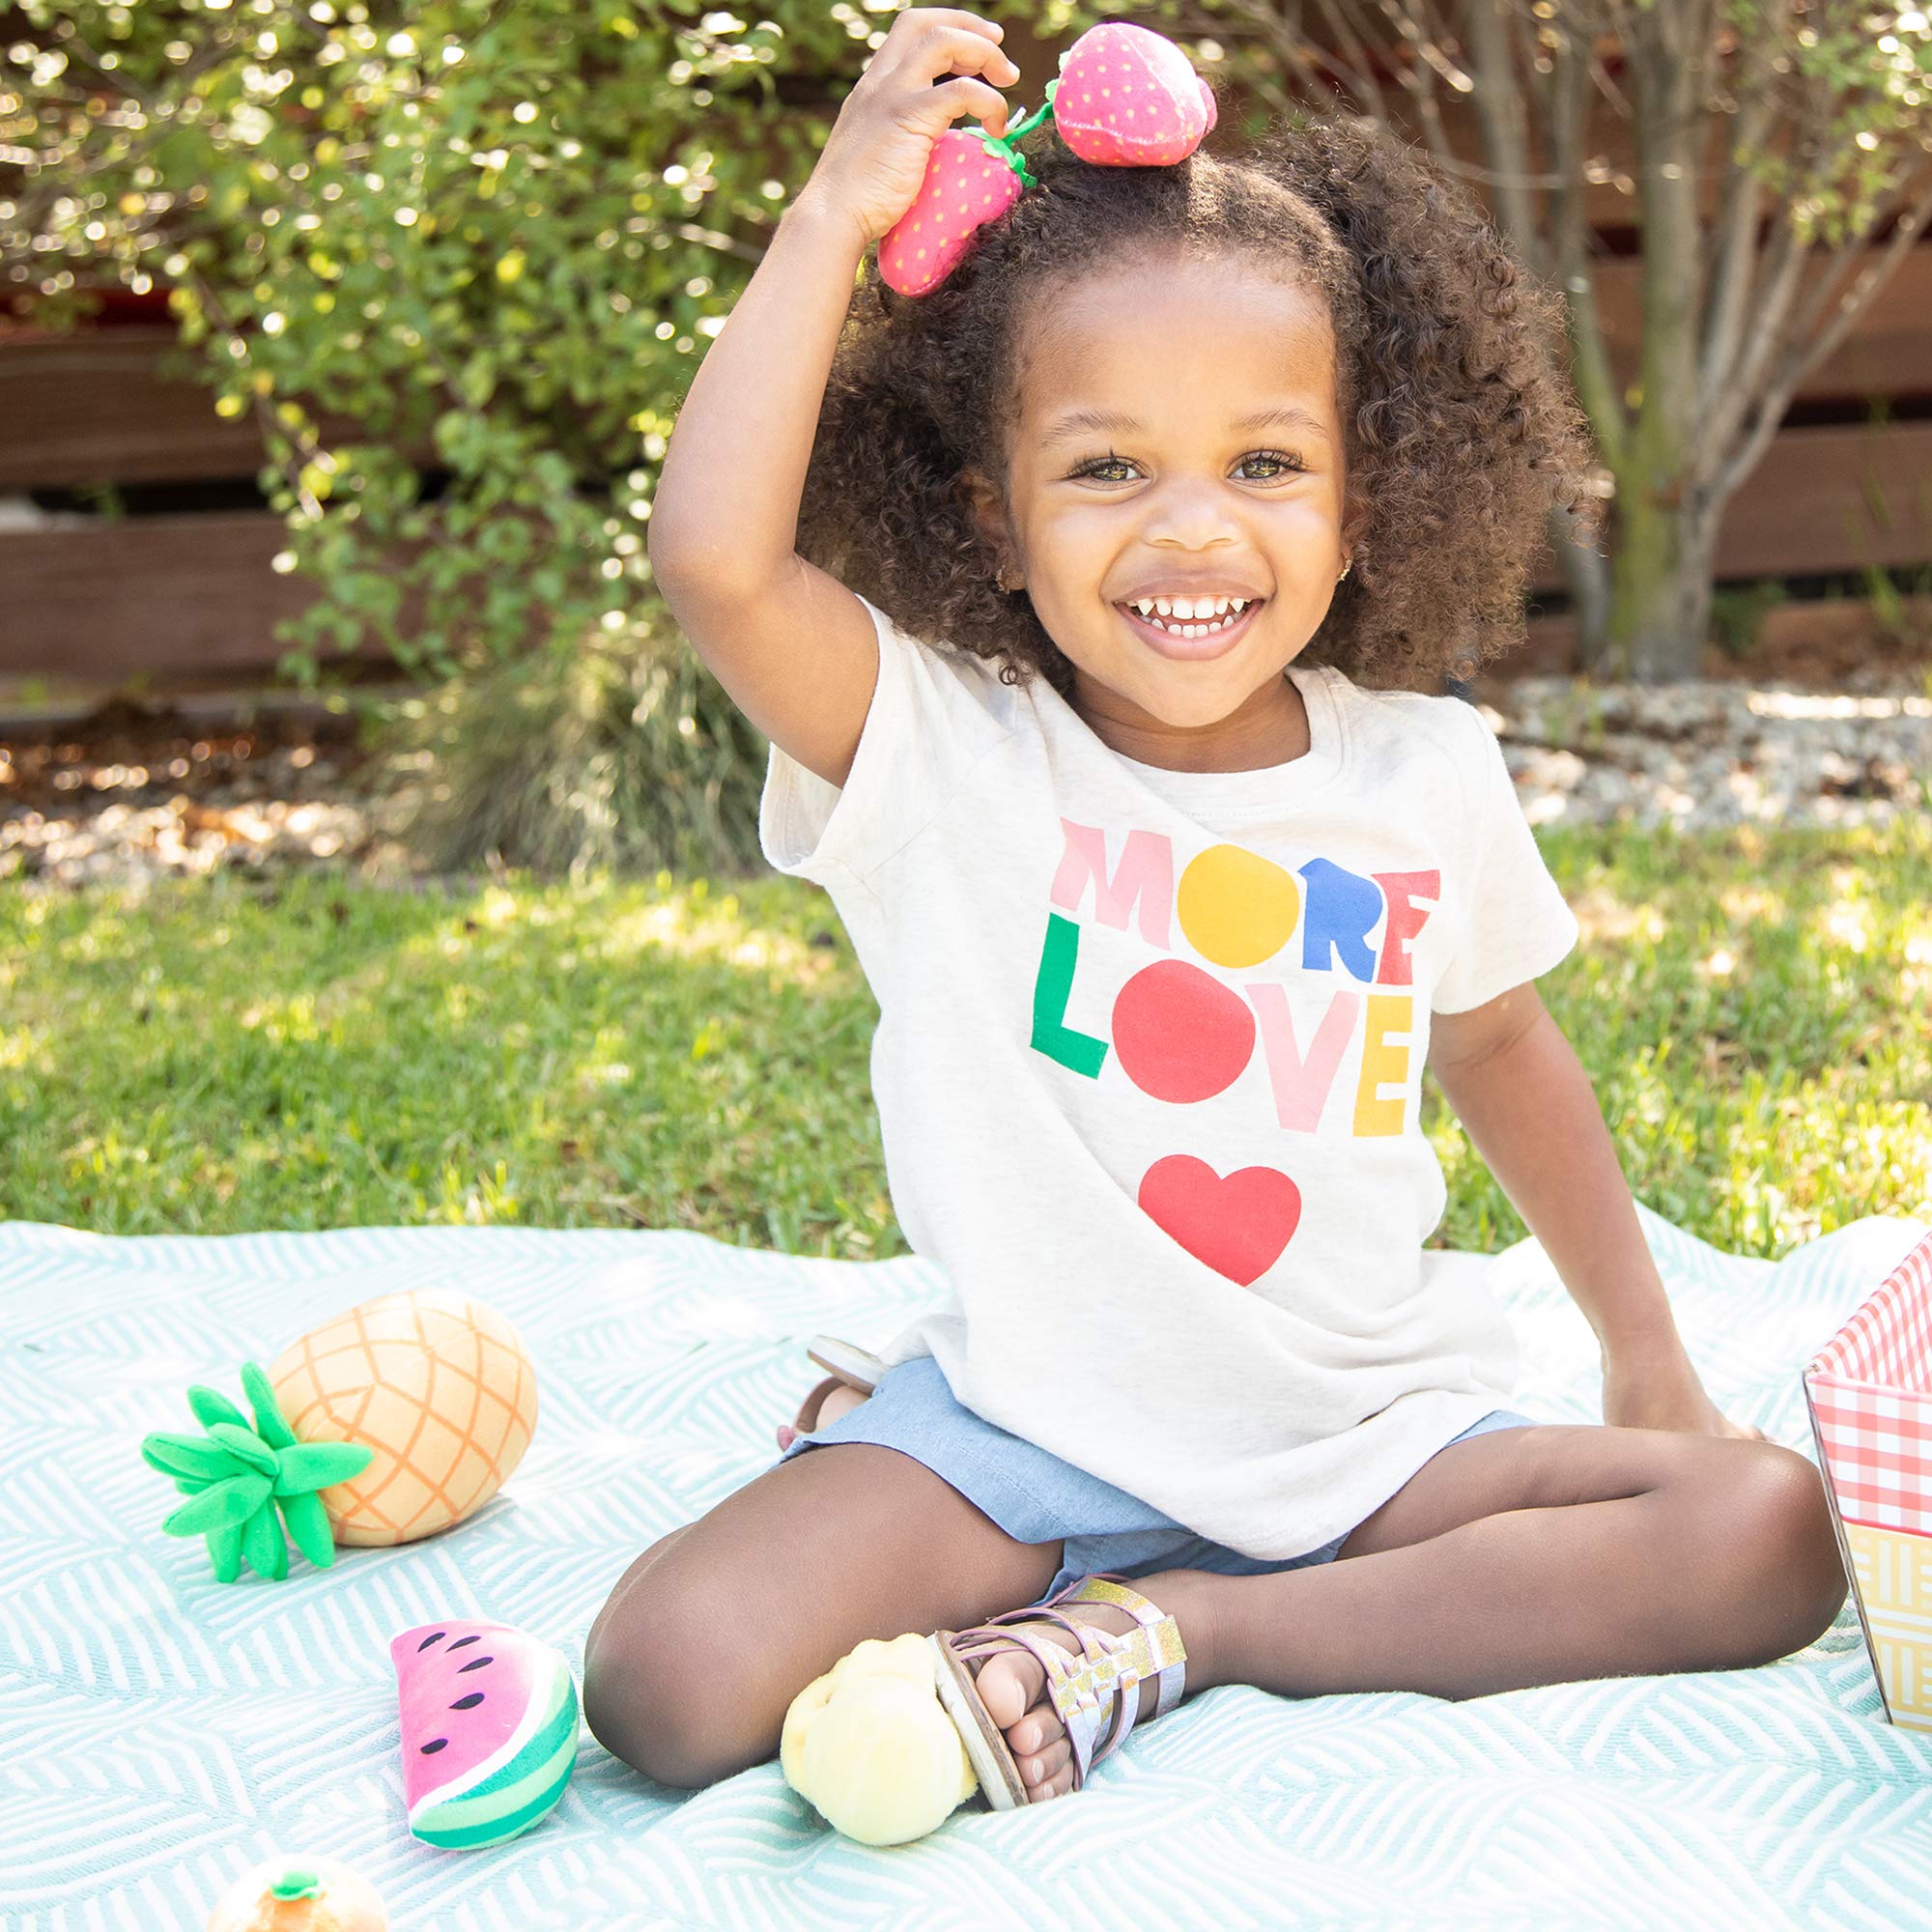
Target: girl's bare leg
(1522,1556)
(708,1636)
(1550,1555)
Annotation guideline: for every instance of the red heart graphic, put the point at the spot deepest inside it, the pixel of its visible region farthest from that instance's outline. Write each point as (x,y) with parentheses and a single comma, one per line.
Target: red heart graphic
(1238,1225)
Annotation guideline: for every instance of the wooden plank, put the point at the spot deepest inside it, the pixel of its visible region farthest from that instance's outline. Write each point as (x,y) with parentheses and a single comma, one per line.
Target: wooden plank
(1835,499)
(1822,501)
(1886,353)
(95,408)
(197,593)
(146,593)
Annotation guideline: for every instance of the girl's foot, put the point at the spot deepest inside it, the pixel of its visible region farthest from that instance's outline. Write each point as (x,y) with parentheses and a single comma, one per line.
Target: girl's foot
(1012,1684)
(837,1402)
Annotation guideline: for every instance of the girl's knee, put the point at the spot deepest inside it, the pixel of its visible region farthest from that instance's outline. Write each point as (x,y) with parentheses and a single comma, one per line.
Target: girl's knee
(1795,1567)
(668,1672)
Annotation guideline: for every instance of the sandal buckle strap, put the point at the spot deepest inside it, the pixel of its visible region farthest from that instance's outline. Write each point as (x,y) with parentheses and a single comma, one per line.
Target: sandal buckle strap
(1090,1687)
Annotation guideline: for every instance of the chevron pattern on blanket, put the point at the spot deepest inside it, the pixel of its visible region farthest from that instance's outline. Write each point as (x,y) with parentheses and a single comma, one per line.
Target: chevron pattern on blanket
(160,1732)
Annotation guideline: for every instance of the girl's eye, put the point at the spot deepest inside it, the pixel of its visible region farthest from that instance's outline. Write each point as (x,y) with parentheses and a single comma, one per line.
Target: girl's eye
(1095,464)
(1279,458)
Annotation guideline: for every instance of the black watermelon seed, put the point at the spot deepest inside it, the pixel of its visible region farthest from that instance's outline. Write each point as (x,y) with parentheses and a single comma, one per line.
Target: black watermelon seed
(431,1749)
(476,1663)
(462,1640)
(468,1703)
(428,1640)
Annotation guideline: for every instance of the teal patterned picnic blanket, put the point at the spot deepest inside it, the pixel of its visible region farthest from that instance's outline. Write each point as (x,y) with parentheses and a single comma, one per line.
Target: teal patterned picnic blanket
(160,1731)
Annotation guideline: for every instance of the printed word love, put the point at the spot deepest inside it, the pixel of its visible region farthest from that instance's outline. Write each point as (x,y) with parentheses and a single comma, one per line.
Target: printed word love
(1184,1034)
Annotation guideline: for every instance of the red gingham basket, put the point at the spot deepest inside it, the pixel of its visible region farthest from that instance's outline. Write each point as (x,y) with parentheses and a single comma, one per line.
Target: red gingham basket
(1869,1392)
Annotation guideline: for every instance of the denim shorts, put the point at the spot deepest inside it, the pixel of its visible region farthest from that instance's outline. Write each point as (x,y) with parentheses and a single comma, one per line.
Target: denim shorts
(1036,1497)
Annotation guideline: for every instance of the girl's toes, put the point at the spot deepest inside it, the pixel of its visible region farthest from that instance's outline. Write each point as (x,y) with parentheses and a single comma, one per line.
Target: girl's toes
(1038,1729)
(1043,1766)
(1008,1684)
(1055,1786)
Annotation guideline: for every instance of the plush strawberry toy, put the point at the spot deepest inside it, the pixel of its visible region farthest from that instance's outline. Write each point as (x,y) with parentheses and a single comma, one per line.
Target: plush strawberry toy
(969,179)
(1125,97)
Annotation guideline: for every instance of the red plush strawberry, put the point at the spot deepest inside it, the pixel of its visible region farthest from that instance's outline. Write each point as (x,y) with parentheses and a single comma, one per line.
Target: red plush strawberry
(967,181)
(1127,97)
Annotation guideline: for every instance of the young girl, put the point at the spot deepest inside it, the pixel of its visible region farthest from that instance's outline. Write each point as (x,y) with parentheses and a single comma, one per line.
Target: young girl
(1103,710)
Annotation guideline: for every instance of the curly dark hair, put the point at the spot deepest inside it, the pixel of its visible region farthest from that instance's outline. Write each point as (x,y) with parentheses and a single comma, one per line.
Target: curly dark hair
(1461,428)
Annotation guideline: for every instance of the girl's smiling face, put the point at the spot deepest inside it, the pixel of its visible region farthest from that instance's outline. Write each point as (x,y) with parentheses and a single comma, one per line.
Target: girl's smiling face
(1176,434)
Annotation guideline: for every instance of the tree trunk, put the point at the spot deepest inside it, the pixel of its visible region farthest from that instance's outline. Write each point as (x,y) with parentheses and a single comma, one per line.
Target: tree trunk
(1660,587)
(1588,574)
(1660,576)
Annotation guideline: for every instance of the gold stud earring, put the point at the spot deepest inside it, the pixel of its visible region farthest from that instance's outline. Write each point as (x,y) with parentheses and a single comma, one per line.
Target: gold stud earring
(1002,574)
(1347,564)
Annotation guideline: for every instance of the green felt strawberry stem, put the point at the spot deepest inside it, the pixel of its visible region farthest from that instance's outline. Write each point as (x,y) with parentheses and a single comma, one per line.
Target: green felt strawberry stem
(237,1478)
(187,1456)
(224,1552)
(1028,123)
(265,1547)
(1002,148)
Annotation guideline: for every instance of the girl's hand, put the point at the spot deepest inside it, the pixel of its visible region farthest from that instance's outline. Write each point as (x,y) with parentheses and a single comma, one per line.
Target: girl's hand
(875,157)
(1662,1391)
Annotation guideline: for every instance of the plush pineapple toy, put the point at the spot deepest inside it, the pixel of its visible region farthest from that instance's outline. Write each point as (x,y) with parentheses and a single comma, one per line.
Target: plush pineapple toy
(869,1746)
(398,1419)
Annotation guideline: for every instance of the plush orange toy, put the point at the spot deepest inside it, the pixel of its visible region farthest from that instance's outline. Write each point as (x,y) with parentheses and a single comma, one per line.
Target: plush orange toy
(299,1895)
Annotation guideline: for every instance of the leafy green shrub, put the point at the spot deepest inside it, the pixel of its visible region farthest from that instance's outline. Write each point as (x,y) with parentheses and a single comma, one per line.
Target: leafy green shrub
(496,236)
(600,756)
(494,239)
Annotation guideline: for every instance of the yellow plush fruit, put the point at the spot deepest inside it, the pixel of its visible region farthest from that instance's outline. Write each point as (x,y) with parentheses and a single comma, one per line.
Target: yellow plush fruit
(438,1385)
(871,1747)
(299,1895)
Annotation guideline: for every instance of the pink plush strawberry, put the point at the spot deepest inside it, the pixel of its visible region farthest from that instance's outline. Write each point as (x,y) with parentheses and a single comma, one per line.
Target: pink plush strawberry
(967,181)
(1127,97)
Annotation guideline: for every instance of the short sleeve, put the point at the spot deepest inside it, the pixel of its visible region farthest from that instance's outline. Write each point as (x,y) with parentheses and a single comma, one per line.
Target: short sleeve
(1512,923)
(927,723)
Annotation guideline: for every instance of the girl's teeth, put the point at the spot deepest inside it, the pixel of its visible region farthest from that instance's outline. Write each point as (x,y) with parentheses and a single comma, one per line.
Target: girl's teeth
(1159,609)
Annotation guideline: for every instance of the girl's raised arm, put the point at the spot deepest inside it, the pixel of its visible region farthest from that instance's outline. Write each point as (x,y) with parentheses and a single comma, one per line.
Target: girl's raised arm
(794,648)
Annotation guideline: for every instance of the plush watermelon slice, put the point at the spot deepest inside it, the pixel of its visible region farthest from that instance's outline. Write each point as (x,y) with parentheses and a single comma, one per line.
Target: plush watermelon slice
(489,1731)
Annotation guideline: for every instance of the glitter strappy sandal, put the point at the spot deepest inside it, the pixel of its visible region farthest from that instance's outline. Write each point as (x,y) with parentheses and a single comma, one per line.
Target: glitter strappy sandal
(1088,1689)
(850,1366)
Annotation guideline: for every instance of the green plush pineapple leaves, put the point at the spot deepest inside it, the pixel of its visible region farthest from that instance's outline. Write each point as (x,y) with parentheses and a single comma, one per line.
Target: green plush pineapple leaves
(240,1474)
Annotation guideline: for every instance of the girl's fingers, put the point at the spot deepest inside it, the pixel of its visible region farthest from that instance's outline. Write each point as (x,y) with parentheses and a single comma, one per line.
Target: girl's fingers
(953,16)
(958,100)
(946,49)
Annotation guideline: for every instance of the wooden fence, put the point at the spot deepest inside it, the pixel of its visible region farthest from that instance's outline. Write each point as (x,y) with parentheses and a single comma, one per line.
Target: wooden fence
(1845,486)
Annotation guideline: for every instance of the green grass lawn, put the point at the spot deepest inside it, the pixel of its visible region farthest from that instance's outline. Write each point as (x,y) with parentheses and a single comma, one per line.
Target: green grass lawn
(240,1054)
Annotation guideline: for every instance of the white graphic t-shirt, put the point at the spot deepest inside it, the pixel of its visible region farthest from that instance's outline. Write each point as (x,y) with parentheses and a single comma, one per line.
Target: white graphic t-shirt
(1148,1068)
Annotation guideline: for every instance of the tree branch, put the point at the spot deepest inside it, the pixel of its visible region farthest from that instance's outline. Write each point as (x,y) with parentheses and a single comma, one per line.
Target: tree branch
(1740,389)
(1802,357)
(1500,113)
(1360,70)
(1735,231)
(1570,82)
